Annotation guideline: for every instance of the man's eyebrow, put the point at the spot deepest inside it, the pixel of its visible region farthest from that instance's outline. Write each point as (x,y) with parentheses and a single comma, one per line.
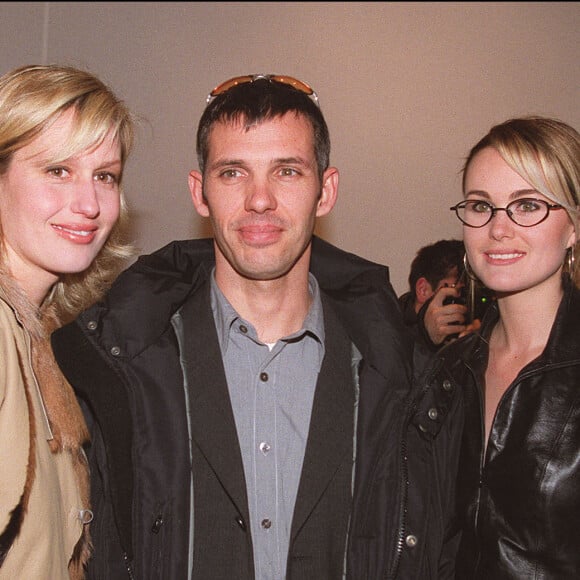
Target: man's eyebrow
(229,162)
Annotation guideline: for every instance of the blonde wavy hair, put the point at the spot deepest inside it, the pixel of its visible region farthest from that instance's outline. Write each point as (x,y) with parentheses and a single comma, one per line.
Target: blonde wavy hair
(31,99)
(546,153)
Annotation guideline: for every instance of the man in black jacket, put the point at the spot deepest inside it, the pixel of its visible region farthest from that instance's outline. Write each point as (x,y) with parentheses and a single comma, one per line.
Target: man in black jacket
(242,389)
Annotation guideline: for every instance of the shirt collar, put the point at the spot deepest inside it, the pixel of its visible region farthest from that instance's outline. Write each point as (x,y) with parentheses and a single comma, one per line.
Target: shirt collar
(225,315)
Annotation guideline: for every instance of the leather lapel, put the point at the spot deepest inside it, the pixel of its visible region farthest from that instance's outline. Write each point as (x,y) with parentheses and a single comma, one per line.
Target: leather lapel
(330,438)
(212,420)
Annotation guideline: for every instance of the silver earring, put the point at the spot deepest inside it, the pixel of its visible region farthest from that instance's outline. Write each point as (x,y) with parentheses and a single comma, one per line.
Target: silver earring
(471,283)
(468,269)
(570,263)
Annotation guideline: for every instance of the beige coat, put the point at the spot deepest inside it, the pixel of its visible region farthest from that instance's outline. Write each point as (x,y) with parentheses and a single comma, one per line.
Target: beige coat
(44,500)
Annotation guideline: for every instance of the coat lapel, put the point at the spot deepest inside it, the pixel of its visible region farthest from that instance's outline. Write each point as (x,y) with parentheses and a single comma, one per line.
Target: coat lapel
(331,434)
(330,438)
(212,421)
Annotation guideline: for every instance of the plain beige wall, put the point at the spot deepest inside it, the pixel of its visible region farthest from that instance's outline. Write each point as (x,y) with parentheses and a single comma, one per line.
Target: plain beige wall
(407,88)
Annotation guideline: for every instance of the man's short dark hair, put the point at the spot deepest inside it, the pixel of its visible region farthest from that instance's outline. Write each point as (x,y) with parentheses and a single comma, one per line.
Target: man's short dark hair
(436,262)
(257,101)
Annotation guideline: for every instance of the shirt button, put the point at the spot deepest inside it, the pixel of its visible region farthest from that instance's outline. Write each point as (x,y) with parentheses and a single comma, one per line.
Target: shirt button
(264,377)
(92,325)
(243,328)
(433,414)
(447,385)
(411,540)
(266,523)
(264,448)
(115,351)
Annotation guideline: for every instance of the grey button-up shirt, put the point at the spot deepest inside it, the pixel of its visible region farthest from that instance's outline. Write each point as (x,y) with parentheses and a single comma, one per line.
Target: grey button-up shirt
(271,390)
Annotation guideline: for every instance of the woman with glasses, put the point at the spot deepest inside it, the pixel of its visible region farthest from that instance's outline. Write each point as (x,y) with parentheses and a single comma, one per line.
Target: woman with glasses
(517,380)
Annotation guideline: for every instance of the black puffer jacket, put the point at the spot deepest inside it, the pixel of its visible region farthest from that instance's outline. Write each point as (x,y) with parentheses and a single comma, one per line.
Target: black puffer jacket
(123,359)
(518,503)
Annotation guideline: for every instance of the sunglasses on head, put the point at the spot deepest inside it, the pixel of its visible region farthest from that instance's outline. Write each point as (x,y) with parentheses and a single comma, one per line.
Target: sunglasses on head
(291,81)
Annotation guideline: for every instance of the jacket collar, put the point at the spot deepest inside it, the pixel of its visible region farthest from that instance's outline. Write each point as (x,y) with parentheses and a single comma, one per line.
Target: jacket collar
(445,373)
(563,343)
(160,283)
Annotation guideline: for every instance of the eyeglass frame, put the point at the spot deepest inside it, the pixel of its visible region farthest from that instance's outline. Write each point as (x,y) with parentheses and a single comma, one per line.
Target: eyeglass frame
(494,210)
(293,82)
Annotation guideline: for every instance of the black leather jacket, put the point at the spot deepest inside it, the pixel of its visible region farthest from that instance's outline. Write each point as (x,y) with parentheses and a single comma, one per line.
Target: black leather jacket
(123,359)
(518,503)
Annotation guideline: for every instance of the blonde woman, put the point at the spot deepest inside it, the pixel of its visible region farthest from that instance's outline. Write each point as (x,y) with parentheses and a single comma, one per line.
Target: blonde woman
(64,141)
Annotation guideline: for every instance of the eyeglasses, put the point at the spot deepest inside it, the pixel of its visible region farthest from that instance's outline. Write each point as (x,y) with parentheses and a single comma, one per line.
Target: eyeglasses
(291,81)
(525,212)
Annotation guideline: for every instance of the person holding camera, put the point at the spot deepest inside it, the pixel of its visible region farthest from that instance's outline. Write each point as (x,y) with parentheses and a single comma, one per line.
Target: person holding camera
(433,307)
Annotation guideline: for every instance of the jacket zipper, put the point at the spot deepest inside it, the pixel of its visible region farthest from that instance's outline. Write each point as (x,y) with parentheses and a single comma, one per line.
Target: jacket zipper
(392,573)
(128,566)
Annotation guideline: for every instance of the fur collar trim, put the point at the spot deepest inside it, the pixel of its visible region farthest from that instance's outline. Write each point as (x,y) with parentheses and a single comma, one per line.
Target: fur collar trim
(65,416)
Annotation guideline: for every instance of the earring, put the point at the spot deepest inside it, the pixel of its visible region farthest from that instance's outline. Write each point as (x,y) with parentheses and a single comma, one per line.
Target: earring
(471,283)
(570,262)
(467,268)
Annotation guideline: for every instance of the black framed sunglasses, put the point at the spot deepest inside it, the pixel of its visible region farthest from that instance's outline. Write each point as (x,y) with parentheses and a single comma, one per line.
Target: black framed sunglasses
(286,80)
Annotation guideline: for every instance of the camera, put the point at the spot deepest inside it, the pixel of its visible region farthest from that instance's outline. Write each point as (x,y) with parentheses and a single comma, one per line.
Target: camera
(461,299)
(482,298)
